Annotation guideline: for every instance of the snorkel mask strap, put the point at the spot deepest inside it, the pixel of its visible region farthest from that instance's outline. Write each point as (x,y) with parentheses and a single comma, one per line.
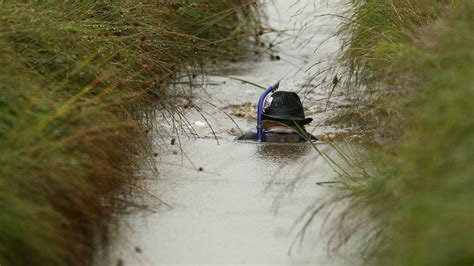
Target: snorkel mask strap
(272,88)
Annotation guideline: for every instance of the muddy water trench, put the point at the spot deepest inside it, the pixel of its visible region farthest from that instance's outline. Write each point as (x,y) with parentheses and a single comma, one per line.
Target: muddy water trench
(227,202)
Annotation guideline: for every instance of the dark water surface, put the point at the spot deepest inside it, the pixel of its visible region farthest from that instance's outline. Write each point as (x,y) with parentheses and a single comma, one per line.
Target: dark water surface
(229,202)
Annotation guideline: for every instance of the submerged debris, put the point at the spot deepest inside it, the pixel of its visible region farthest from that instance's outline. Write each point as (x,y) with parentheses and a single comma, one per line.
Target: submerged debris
(333,136)
(199,124)
(275,57)
(341,136)
(247,110)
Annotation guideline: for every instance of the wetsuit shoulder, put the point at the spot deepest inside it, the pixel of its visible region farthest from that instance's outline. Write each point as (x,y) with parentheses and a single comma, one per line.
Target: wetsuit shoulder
(248,135)
(252,135)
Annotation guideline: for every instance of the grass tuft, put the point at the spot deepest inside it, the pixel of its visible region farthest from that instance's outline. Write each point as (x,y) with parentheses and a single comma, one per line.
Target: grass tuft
(412,64)
(74,81)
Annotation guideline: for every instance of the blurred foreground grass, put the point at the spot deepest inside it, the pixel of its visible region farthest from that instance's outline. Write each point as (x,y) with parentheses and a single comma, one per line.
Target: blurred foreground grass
(73,75)
(413,63)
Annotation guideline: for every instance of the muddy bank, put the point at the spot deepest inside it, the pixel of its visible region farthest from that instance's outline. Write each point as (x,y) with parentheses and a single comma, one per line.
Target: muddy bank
(415,179)
(75,77)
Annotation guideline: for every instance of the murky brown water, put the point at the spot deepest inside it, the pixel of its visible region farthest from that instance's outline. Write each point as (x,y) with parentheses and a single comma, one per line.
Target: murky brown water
(229,202)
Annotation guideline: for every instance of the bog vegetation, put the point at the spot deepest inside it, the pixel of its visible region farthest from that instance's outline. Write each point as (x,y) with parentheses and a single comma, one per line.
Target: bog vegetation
(411,65)
(73,75)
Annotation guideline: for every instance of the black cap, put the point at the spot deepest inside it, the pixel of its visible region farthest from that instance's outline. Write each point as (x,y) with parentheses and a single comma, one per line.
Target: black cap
(285,105)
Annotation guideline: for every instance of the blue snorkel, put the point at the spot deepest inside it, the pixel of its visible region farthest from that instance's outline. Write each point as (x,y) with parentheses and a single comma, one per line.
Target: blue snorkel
(260,132)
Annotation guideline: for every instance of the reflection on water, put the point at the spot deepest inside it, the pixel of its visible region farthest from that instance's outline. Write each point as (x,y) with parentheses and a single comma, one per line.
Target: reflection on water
(282,152)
